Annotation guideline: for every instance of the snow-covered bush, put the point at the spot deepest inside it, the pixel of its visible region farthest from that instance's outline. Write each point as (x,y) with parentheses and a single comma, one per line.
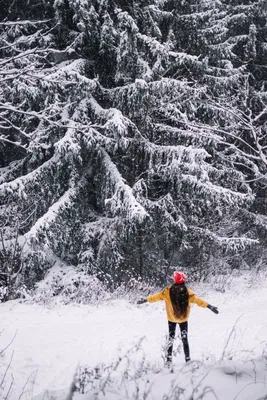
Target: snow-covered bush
(69,284)
(133,289)
(128,379)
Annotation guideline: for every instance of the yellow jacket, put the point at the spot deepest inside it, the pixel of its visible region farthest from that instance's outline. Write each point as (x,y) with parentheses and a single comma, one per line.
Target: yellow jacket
(165,295)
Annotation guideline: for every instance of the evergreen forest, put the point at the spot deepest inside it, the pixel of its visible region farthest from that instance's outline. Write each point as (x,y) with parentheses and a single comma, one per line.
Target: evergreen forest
(133,139)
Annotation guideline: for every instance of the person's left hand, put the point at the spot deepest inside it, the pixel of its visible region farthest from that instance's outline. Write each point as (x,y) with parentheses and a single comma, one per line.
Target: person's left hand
(213,309)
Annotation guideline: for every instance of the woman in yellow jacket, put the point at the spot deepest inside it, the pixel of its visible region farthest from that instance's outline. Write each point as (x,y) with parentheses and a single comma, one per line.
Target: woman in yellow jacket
(178,299)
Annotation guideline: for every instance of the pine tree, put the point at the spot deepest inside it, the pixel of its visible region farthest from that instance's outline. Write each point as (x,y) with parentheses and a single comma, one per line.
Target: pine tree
(126,138)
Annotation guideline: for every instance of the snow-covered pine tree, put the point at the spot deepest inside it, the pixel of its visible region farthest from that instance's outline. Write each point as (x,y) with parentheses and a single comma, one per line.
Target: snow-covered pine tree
(121,154)
(224,34)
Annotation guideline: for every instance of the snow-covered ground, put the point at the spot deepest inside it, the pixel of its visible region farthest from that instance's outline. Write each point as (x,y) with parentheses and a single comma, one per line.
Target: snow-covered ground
(125,342)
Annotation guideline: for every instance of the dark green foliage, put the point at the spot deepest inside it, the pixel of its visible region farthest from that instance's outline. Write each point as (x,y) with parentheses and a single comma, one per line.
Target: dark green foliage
(136,131)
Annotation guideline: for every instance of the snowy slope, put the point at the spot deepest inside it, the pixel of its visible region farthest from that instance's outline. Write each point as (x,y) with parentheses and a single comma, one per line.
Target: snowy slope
(50,343)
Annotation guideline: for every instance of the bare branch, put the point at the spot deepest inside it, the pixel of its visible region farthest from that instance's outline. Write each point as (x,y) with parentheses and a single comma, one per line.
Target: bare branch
(2,351)
(221,131)
(32,375)
(7,368)
(14,127)
(263,112)
(10,387)
(24,54)
(3,139)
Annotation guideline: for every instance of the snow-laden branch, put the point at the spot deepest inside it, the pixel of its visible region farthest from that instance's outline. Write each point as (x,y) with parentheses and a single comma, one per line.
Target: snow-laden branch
(157,48)
(17,144)
(122,202)
(204,128)
(226,243)
(24,22)
(166,206)
(37,233)
(68,145)
(26,53)
(216,193)
(17,186)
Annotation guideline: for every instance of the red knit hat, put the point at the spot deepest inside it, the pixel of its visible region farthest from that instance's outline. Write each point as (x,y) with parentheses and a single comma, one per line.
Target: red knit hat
(178,277)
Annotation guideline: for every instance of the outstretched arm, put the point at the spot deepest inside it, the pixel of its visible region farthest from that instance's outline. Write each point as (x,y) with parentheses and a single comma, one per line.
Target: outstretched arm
(200,302)
(197,300)
(155,297)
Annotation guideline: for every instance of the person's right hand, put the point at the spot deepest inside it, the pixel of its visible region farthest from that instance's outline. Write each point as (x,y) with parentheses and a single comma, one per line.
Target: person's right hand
(141,301)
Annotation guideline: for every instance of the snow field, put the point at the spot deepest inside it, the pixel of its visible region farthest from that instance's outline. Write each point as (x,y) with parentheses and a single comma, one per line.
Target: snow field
(126,344)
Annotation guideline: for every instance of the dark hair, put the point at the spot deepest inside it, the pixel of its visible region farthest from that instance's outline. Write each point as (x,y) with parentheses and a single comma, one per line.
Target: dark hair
(179,298)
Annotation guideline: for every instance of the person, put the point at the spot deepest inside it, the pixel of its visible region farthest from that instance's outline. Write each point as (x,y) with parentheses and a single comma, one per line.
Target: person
(178,299)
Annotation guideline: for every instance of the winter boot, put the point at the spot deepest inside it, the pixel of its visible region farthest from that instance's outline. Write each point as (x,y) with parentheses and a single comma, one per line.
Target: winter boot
(168,362)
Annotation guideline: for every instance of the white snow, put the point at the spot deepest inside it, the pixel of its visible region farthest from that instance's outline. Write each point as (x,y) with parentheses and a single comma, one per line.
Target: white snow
(123,200)
(50,342)
(49,216)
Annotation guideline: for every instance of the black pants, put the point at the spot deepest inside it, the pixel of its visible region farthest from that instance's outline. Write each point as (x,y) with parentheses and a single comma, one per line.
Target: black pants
(184,329)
